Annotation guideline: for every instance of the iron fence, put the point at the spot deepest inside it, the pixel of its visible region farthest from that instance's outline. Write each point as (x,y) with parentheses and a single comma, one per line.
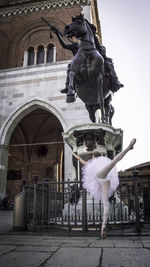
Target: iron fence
(67,206)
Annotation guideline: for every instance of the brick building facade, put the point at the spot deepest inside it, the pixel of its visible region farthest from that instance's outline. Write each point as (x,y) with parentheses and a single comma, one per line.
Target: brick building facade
(33,112)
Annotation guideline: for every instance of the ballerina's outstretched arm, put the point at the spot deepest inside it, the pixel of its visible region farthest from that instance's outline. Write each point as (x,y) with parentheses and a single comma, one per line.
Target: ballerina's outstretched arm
(83,162)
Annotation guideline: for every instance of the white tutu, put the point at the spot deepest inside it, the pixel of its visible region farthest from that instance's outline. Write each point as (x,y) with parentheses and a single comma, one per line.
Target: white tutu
(93,184)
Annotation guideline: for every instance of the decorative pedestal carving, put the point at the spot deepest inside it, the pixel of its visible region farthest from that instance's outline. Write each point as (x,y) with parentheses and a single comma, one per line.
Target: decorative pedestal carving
(88,138)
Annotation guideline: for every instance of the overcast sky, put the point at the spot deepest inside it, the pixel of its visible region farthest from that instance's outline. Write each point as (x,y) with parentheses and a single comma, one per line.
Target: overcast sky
(125,26)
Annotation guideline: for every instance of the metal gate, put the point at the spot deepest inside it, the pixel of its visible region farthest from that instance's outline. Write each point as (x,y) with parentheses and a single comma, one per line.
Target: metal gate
(67,207)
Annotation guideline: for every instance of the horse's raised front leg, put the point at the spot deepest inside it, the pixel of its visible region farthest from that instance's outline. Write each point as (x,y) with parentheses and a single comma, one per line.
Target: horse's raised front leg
(71,92)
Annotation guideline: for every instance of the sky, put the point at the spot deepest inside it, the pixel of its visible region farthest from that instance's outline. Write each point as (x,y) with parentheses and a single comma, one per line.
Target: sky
(125,26)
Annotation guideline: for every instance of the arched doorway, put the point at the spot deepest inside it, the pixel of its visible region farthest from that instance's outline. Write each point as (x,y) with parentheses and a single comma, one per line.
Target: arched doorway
(36,148)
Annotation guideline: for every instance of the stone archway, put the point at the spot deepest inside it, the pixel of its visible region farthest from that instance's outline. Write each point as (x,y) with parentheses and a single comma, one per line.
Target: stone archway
(17,130)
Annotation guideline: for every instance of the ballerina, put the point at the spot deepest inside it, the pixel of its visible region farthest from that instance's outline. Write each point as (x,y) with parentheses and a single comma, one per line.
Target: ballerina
(100,178)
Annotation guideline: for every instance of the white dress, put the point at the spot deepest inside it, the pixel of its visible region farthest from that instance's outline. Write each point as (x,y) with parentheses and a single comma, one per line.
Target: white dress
(93,184)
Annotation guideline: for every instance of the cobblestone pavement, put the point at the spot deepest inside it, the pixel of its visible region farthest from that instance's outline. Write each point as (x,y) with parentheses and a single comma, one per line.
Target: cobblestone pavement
(27,249)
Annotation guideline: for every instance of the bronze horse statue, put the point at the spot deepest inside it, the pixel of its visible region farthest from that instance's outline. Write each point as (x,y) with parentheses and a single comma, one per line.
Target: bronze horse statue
(86,70)
(91,73)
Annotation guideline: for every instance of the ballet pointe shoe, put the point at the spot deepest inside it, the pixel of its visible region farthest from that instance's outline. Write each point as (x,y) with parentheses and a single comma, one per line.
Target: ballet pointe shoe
(132,143)
(103,232)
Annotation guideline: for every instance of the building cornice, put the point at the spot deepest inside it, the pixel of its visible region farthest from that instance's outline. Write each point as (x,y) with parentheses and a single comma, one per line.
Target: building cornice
(45,5)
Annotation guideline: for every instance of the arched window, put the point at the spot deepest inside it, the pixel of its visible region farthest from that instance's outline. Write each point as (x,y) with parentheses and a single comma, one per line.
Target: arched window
(40,55)
(50,53)
(30,56)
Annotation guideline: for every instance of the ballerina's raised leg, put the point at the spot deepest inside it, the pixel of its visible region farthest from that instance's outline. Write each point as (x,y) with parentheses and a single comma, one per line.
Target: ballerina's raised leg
(102,174)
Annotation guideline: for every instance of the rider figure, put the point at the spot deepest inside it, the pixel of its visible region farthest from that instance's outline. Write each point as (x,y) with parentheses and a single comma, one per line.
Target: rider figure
(109,69)
(108,63)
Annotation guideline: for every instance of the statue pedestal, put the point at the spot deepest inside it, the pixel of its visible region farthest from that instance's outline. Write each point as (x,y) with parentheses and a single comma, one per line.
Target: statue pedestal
(85,139)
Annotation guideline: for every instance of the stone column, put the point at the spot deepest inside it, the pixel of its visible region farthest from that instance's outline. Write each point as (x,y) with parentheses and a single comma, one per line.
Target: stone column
(25,61)
(35,56)
(45,55)
(54,54)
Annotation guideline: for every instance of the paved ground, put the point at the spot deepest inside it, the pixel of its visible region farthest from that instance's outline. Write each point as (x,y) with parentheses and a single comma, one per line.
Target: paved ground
(26,249)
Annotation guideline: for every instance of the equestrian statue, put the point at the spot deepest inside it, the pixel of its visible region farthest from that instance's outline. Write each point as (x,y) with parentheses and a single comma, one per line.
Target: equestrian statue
(91,73)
